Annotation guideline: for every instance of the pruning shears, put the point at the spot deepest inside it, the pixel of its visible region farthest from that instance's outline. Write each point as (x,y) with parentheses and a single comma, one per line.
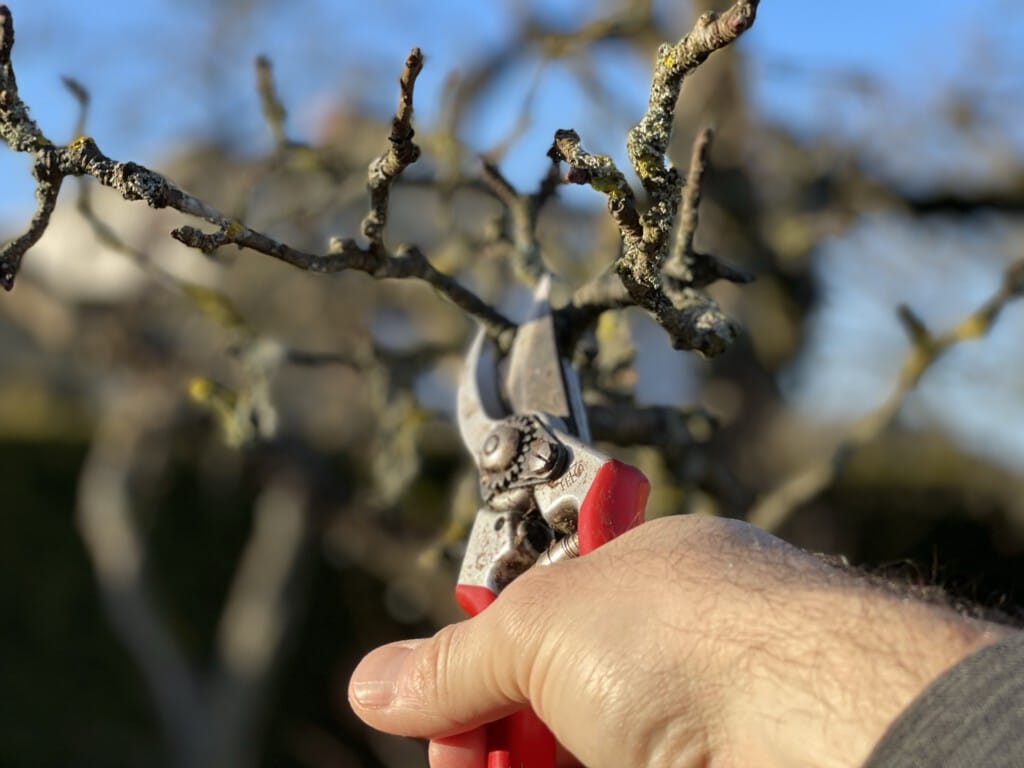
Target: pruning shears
(547,494)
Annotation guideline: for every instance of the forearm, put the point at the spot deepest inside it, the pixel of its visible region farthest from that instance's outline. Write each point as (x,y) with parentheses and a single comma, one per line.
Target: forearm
(971,715)
(837,664)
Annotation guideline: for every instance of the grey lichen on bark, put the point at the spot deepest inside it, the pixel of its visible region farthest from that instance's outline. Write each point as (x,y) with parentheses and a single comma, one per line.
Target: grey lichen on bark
(648,140)
(599,172)
(19,131)
(691,318)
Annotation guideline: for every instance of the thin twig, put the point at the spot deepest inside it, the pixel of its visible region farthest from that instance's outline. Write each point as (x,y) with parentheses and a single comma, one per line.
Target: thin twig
(524,210)
(685,266)
(47,191)
(274,111)
(599,172)
(401,153)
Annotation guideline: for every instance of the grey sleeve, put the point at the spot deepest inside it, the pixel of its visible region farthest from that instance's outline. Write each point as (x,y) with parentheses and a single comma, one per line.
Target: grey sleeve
(973,715)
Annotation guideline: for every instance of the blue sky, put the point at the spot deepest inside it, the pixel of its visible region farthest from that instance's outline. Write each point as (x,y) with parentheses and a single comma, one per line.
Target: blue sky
(162,73)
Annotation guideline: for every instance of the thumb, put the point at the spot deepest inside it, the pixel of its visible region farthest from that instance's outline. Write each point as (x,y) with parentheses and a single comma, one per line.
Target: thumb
(464,676)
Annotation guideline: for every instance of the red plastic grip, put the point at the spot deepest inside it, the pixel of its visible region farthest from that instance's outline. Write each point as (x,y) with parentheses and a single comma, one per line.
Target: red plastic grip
(520,740)
(614,503)
(472,598)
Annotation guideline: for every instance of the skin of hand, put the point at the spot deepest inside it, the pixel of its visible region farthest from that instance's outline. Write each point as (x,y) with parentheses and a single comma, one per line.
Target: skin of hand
(689,641)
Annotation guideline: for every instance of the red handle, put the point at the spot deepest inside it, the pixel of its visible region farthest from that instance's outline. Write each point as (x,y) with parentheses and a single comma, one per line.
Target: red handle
(614,503)
(520,740)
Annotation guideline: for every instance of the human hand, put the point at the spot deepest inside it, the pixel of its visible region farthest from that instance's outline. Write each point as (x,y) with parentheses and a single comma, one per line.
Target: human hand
(688,641)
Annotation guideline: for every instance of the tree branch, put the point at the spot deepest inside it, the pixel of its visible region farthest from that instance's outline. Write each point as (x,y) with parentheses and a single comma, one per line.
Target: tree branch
(599,172)
(208,719)
(691,319)
(82,157)
(18,130)
(660,426)
(262,606)
(776,507)
(686,267)
(524,209)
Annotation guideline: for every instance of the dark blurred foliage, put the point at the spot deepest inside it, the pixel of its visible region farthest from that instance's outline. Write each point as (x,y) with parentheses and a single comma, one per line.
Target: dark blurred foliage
(161,412)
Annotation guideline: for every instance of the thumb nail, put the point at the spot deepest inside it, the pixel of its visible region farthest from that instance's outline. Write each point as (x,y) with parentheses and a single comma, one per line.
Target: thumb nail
(375,680)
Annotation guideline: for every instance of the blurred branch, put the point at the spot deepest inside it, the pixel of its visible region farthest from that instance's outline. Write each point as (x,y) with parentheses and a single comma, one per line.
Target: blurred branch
(81,94)
(115,545)
(524,209)
(208,720)
(379,552)
(654,425)
(633,22)
(274,111)
(588,302)
(776,507)
(262,606)
(1007,197)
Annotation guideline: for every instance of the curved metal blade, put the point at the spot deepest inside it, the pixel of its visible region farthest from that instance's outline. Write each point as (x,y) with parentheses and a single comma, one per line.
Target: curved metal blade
(539,380)
(479,400)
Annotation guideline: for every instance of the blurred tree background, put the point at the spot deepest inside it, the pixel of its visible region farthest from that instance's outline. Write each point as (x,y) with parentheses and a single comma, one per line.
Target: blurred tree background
(223,479)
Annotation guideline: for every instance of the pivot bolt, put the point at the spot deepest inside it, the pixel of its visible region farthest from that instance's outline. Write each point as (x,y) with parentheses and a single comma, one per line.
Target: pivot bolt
(500,449)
